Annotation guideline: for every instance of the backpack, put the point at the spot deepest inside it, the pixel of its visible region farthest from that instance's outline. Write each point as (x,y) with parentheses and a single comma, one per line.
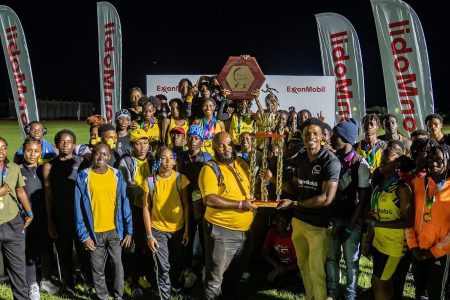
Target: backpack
(151,184)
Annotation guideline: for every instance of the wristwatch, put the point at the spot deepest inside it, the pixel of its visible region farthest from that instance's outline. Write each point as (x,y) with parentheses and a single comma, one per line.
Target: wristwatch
(295,203)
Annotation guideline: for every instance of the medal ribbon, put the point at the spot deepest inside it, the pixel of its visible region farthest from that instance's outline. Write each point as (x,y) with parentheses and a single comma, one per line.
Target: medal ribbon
(209,129)
(370,154)
(346,163)
(3,175)
(430,200)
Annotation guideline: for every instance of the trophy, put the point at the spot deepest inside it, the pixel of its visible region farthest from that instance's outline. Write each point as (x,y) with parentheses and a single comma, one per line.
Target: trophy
(268,122)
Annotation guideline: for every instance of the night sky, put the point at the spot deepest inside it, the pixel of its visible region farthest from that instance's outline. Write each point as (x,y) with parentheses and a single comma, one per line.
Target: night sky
(193,37)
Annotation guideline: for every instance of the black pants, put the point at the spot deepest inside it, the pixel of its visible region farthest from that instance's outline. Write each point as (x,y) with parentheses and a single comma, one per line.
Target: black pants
(108,244)
(12,245)
(38,246)
(195,225)
(430,276)
(399,276)
(138,262)
(169,259)
(64,247)
(259,228)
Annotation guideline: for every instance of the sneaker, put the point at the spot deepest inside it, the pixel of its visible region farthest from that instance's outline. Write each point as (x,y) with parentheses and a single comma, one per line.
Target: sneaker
(143,282)
(33,292)
(245,277)
(175,291)
(48,287)
(68,291)
(127,288)
(189,279)
(136,292)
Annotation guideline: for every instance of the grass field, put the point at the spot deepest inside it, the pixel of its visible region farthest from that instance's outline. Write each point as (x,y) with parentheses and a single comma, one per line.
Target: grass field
(10,131)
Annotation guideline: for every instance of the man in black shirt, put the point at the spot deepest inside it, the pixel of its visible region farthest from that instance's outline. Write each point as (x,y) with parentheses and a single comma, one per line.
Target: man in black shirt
(59,181)
(315,183)
(190,163)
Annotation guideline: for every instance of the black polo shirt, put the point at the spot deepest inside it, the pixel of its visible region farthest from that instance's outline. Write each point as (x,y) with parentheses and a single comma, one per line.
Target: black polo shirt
(311,175)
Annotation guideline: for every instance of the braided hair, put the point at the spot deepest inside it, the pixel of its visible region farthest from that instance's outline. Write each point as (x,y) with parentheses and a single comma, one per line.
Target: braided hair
(157,162)
(445,149)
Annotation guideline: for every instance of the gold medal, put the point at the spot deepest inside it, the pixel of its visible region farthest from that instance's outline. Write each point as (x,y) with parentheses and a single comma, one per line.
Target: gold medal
(427,217)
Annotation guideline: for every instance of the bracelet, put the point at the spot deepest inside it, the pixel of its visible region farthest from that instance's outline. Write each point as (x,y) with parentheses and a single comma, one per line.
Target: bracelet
(29,213)
(372,223)
(240,205)
(150,235)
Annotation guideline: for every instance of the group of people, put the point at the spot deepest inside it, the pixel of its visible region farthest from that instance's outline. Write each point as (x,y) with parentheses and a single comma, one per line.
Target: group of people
(168,188)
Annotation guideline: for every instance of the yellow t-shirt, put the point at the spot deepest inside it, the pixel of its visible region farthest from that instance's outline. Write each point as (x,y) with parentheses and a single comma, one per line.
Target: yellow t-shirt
(142,172)
(389,241)
(172,125)
(102,188)
(167,209)
(234,219)
(239,125)
(154,132)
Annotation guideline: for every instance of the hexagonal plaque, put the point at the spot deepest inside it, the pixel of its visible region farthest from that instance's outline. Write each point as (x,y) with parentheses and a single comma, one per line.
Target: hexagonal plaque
(241,76)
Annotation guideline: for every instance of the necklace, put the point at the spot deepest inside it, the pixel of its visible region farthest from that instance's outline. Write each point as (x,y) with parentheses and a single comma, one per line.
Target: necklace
(429,201)
(209,128)
(2,204)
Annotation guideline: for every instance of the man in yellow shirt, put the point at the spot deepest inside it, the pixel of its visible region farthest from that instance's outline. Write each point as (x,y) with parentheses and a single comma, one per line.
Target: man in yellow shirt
(224,185)
(103,219)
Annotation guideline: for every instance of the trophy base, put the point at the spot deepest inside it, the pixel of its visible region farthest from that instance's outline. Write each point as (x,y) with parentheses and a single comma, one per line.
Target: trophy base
(267,203)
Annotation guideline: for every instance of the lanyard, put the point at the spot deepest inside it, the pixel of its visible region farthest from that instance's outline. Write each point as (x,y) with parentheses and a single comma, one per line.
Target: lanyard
(346,163)
(370,156)
(3,174)
(209,129)
(430,200)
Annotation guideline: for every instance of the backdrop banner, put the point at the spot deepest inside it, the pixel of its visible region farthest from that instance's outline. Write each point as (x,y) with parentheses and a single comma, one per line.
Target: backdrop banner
(404,57)
(315,93)
(341,57)
(110,59)
(19,68)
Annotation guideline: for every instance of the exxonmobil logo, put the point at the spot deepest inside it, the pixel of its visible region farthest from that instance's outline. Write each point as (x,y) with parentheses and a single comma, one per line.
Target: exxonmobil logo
(166,88)
(305,89)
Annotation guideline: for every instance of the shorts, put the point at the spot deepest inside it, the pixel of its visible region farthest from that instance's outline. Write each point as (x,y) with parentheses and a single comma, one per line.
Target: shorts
(384,265)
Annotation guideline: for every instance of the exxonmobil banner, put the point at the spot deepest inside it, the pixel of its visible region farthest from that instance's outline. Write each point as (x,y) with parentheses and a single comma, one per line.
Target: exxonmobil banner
(341,57)
(19,69)
(315,93)
(110,59)
(404,58)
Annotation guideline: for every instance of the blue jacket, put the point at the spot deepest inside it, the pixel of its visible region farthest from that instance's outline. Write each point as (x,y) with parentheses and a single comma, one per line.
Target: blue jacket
(84,223)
